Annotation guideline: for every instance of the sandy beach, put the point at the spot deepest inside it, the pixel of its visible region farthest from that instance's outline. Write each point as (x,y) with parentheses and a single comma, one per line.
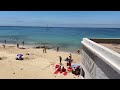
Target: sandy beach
(36,65)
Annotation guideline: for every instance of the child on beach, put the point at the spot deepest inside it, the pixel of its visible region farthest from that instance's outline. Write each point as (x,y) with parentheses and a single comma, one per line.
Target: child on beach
(4,46)
(44,49)
(66,59)
(78,51)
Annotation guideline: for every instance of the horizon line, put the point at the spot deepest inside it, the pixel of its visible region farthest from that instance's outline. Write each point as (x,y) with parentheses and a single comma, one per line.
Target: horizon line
(58,26)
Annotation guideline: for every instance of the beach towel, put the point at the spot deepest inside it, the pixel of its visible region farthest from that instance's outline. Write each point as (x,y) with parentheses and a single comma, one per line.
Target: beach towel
(65,73)
(61,71)
(56,72)
(57,66)
(70,69)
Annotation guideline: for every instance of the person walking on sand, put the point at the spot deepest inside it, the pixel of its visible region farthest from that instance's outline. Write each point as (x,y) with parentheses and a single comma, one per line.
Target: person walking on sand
(17,45)
(60,60)
(45,49)
(57,49)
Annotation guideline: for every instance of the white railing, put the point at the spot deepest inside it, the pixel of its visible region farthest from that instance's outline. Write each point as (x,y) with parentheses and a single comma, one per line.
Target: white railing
(109,56)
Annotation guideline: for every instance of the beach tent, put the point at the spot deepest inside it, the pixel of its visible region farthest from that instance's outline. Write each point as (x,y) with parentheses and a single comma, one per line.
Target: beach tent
(19,55)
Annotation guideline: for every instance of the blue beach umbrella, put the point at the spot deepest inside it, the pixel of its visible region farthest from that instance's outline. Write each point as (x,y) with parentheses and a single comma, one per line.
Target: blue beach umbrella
(75,65)
(19,55)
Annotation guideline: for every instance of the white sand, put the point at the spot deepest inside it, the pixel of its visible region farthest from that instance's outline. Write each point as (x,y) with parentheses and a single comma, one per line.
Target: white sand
(37,65)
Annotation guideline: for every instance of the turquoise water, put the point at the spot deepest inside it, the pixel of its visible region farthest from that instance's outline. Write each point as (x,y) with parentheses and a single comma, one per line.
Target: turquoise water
(66,38)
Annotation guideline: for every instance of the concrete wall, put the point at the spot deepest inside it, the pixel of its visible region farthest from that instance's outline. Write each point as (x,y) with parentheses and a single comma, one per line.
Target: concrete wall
(100,69)
(107,40)
(98,62)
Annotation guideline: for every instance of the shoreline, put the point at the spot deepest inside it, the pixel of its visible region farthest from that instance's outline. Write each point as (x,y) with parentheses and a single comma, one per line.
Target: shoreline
(34,46)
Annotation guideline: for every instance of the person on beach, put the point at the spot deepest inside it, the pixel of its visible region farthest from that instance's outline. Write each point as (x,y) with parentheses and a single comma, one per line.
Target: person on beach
(69,63)
(57,49)
(60,60)
(5,42)
(45,49)
(23,43)
(3,46)
(17,45)
(78,51)
(70,56)
(67,59)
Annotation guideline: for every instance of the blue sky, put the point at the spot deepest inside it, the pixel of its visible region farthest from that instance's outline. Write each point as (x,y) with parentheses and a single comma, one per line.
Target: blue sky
(60,18)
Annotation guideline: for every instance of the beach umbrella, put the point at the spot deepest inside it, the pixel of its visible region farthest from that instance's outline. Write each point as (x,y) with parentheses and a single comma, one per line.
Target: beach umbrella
(20,55)
(75,65)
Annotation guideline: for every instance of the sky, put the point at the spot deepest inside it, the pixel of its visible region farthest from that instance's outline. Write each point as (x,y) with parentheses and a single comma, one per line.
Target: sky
(60,18)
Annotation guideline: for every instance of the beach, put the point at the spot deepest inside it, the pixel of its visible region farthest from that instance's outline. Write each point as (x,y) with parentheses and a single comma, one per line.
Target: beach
(36,65)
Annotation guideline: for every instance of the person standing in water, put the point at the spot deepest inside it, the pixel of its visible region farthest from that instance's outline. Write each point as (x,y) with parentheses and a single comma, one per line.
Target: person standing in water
(23,43)
(5,42)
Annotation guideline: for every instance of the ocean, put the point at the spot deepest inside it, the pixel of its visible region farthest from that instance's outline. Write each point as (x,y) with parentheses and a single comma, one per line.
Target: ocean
(67,38)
